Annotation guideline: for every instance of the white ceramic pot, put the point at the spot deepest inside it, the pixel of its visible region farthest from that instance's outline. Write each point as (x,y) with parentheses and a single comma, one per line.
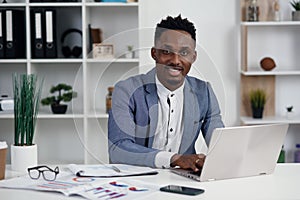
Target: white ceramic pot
(129,55)
(23,157)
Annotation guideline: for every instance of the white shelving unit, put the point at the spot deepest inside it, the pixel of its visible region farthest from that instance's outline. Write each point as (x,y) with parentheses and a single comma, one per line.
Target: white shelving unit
(270,120)
(271,23)
(278,40)
(259,40)
(274,72)
(80,136)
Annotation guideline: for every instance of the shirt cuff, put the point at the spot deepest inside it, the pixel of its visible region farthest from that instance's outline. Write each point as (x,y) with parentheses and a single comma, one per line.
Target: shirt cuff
(163,158)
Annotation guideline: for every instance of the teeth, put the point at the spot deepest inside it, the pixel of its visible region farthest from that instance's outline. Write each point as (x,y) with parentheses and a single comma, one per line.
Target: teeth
(174,70)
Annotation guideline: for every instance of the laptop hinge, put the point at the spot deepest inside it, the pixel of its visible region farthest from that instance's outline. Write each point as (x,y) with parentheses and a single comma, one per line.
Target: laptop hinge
(211,179)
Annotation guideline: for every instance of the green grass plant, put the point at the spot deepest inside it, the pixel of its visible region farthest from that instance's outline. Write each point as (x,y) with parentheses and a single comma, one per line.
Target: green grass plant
(258,98)
(27,93)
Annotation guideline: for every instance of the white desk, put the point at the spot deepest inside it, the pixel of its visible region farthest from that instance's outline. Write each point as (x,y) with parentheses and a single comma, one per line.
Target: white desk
(284,184)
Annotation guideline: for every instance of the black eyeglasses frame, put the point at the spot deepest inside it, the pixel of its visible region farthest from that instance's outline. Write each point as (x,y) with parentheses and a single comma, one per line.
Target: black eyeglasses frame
(41,171)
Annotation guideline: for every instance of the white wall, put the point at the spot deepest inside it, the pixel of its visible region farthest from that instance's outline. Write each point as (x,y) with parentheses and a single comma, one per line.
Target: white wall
(216,25)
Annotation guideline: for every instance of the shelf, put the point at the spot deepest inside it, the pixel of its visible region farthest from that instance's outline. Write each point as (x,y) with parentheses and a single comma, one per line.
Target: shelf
(270,120)
(113,60)
(98,114)
(103,4)
(62,4)
(6,115)
(60,116)
(45,116)
(9,5)
(271,23)
(13,60)
(56,60)
(259,72)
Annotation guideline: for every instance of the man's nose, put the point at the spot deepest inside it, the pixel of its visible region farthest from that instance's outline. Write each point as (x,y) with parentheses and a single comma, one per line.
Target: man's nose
(176,58)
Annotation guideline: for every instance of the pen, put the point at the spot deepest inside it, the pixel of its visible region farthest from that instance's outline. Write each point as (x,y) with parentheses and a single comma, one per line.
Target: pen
(115,168)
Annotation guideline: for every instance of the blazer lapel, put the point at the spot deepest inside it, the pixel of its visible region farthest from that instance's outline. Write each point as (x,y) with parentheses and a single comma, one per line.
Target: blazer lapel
(191,109)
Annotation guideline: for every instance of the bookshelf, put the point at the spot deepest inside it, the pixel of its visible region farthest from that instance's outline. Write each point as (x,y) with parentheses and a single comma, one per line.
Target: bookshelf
(278,40)
(80,135)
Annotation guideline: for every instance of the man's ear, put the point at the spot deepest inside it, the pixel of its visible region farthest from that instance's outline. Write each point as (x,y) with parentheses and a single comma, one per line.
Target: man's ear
(153,53)
(194,57)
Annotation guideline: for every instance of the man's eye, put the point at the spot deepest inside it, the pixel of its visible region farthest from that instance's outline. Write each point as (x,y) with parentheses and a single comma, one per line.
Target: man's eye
(166,51)
(183,53)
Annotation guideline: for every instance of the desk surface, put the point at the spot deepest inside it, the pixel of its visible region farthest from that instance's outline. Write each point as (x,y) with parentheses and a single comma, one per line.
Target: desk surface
(283,184)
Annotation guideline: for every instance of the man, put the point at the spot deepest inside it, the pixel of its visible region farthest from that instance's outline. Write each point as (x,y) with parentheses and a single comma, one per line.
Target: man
(157,117)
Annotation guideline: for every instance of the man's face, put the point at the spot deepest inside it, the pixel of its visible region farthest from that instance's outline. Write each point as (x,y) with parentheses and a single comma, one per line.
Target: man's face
(174,53)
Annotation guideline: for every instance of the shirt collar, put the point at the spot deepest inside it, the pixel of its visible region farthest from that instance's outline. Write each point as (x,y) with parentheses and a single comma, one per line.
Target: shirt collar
(162,90)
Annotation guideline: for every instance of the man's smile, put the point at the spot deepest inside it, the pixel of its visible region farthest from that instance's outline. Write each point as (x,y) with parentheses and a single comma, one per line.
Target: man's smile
(174,71)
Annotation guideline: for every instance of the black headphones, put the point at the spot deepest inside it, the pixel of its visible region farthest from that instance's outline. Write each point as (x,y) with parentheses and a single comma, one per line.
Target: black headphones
(66,50)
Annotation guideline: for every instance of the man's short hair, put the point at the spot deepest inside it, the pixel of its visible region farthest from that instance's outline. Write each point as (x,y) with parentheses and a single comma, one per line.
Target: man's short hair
(175,23)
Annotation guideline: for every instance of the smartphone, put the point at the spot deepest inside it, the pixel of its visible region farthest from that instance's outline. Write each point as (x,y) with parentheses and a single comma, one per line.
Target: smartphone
(182,190)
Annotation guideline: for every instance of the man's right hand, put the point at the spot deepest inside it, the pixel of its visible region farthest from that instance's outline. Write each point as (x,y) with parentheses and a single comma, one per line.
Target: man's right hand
(189,161)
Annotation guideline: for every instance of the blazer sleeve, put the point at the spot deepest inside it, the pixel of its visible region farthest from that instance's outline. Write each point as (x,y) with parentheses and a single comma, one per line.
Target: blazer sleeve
(123,130)
(213,118)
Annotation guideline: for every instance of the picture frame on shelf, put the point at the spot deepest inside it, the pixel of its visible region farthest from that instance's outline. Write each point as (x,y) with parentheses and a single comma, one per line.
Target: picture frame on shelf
(103,51)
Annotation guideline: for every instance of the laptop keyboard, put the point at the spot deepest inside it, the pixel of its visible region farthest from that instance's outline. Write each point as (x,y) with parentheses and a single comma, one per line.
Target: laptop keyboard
(195,173)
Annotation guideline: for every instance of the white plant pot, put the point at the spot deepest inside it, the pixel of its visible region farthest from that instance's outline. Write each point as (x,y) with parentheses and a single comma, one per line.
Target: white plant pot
(289,115)
(129,55)
(23,157)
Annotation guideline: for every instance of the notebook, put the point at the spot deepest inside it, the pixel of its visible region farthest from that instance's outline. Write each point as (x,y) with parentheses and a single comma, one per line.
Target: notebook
(241,151)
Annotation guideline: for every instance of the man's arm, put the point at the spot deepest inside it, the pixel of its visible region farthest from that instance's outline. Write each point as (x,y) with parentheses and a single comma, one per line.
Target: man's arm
(123,130)
(213,118)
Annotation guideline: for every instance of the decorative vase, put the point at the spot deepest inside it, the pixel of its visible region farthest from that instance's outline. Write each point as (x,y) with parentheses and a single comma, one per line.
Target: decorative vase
(59,109)
(296,15)
(267,64)
(130,54)
(23,157)
(289,115)
(257,112)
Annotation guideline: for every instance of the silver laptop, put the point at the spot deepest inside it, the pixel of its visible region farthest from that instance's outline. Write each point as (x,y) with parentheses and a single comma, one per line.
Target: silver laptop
(241,151)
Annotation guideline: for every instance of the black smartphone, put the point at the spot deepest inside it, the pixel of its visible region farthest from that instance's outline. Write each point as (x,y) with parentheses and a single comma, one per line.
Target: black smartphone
(182,190)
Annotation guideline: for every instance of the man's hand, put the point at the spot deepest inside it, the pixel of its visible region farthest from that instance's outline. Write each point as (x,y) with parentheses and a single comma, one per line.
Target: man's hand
(190,161)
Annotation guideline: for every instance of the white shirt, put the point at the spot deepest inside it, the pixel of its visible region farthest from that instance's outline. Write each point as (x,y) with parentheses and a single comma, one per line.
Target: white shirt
(170,126)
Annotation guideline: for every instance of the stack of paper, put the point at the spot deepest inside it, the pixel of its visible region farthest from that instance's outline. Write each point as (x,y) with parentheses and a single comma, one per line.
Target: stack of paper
(87,187)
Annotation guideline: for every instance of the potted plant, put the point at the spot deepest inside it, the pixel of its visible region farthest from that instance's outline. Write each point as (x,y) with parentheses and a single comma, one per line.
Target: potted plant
(27,94)
(258,100)
(296,13)
(289,111)
(130,52)
(64,93)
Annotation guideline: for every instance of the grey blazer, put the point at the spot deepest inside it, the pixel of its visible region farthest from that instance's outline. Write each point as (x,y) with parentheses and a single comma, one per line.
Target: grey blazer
(133,119)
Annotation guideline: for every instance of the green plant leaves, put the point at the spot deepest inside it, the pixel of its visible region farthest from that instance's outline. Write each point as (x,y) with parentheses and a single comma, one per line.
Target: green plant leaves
(26,104)
(295,4)
(65,94)
(258,98)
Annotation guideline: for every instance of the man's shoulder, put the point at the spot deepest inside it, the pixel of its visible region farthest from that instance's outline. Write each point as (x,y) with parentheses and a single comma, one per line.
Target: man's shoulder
(196,83)
(137,81)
